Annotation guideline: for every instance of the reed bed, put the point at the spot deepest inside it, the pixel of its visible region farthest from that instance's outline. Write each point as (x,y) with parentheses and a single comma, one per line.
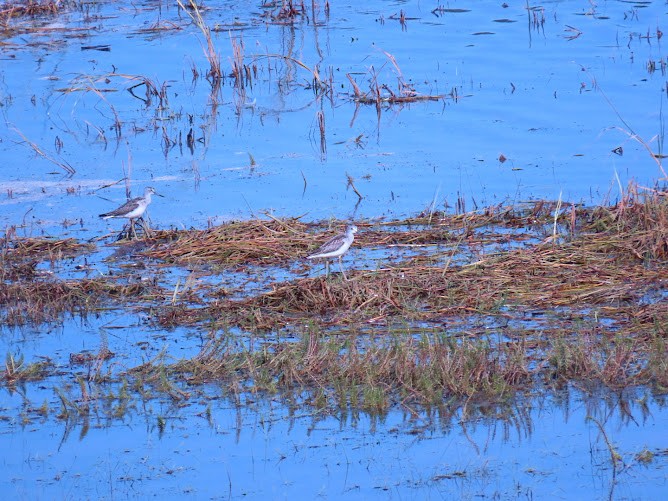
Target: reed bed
(276,242)
(608,259)
(41,301)
(411,370)
(571,295)
(42,248)
(544,280)
(584,305)
(248,243)
(29,295)
(31,8)
(19,257)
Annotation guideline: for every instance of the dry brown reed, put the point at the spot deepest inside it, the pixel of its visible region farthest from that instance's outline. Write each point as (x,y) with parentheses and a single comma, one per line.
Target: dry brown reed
(20,256)
(611,260)
(237,243)
(580,301)
(285,12)
(193,10)
(31,296)
(320,117)
(240,72)
(40,151)
(280,241)
(42,248)
(31,8)
(49,300)
(380,94)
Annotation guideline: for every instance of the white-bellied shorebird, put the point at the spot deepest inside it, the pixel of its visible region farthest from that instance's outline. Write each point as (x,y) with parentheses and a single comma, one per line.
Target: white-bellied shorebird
(133,209)
(336,247)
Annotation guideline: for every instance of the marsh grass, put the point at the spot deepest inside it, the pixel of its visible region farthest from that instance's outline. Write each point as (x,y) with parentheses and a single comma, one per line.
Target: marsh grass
(19,257)
(31,296)
(41,248)
(603,263)
(416,372)
(567,295)
(49,300)
(32,8)
(575,301)
(496,303)
(279,242)
(237,243)
(340,369)
(18,371)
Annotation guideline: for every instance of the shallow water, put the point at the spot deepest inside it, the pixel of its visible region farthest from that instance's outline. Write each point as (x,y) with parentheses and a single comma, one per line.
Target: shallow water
(551,448)
(554,106)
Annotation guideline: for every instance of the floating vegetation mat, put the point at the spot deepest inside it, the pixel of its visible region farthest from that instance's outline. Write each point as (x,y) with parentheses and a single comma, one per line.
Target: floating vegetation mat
(608,261)
(486,304)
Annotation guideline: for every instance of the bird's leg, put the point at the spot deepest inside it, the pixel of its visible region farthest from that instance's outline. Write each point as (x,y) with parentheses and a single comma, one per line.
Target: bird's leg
(341,266)
(145,226)
(327,268)
(126,231)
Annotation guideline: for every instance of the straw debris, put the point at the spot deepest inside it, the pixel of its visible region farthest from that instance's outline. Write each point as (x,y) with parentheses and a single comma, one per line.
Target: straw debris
(609,260)
(483,305)
(46,301)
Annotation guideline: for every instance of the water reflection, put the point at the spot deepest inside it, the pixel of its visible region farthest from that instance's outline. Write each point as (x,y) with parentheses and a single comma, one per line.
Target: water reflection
(299,100)
(530,443)
(462,447)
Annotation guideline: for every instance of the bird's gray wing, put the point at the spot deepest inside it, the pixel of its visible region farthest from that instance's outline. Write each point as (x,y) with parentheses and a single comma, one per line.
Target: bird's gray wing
(331,245)
(128,206)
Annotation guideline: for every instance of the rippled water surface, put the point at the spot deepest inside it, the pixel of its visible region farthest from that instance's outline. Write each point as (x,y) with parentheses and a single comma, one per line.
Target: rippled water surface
(561,100)
(553,90)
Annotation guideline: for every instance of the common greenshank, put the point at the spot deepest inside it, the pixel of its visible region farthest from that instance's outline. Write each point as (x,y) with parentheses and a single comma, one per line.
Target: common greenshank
(133,209)
(336,247)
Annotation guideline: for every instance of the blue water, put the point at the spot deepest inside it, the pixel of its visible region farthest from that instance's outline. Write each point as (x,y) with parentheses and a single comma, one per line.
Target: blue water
(554,107)
(549,449)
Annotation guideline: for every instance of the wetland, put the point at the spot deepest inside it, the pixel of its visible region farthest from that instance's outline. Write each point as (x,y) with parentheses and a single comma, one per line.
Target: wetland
(501,329)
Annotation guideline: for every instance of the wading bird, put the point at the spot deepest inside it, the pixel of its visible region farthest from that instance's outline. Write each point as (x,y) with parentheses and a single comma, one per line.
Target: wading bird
(336,247)
(133,209)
